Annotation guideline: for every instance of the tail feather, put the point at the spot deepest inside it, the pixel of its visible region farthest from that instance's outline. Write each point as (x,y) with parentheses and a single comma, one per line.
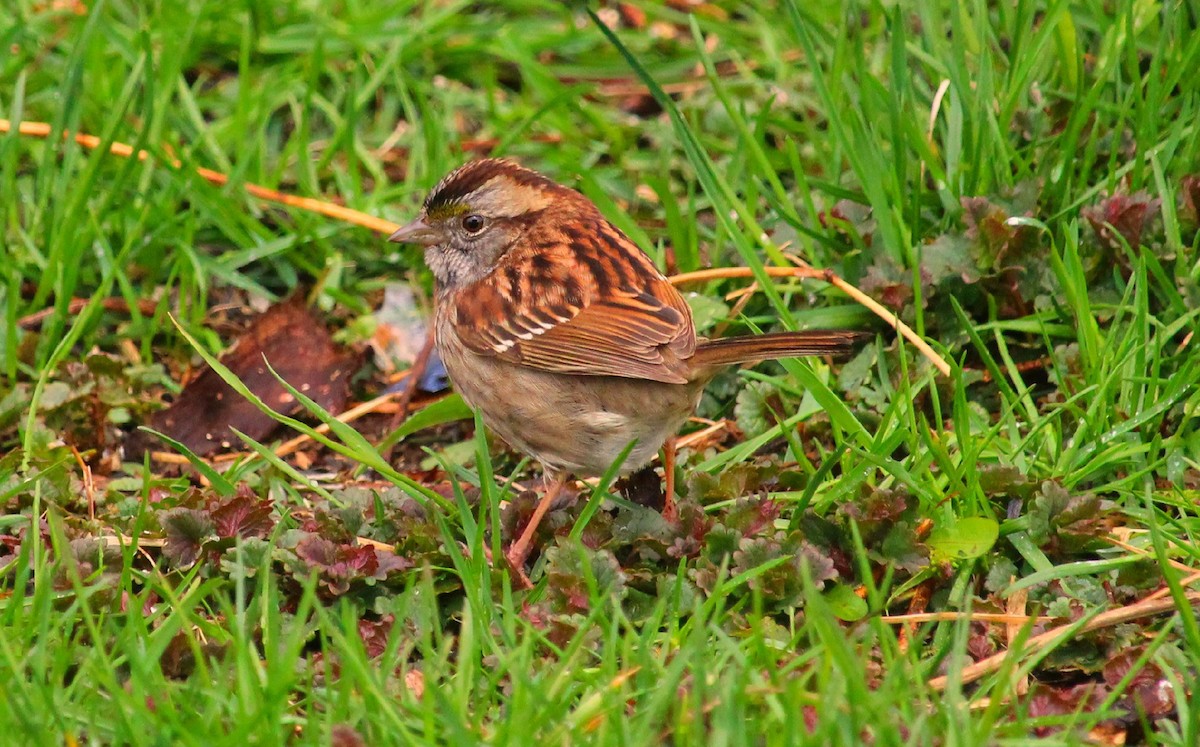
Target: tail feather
(754,348)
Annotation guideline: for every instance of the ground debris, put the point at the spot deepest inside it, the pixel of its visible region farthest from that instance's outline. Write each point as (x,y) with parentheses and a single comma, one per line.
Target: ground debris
(296,344)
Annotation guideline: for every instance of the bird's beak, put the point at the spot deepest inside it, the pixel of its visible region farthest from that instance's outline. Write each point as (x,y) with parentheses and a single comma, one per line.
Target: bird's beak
(417,232)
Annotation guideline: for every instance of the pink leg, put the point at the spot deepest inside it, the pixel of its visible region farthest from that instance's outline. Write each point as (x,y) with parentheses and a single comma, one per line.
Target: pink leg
(519,551)
(669,512)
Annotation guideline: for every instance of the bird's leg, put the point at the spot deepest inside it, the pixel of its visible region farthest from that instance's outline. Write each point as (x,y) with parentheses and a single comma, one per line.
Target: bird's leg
(520,549)
(669,512)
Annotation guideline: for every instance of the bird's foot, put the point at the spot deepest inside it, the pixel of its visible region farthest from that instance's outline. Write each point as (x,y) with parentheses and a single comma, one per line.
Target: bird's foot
(518,552)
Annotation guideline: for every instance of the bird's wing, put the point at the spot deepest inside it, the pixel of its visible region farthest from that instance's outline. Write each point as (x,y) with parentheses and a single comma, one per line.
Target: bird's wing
(594,306)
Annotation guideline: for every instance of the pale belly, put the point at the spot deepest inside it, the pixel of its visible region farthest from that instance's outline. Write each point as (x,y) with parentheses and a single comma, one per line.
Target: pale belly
(575,424)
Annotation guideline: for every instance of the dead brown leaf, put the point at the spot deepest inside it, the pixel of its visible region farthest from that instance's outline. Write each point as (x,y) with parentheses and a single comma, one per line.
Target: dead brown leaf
(296,344)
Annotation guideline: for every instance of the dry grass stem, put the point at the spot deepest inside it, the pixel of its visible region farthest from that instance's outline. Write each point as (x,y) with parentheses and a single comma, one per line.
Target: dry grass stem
(1050,638)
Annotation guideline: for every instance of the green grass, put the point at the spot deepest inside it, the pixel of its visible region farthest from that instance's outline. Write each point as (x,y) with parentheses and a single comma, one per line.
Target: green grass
(955,160)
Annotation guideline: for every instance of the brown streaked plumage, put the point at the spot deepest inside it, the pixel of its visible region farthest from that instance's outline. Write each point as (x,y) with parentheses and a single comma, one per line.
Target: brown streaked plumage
(563,332)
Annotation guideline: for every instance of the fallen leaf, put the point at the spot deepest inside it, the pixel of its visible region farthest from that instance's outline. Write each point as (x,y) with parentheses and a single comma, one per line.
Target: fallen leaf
(295,344)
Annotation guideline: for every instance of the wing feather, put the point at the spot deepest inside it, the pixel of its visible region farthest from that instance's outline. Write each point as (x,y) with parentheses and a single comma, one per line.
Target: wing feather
(596,306)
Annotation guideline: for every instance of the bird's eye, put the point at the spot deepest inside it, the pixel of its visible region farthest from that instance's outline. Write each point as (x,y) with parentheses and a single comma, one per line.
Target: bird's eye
(472,223)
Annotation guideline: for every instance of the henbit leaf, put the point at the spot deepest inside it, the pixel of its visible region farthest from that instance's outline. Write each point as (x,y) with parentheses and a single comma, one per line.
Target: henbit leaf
(1122,218)
(636,524)
(1004,480)
(756,407)
(1078,510)
(374,635)
(860,371)
(187,529)
(720,543)
(888,283)
(1062,520)
(753,515)
(577,575)
(245,515)
(947,259)
(246,558)
(55,394)
(737,481)
(1000,575)
(878,509)
(1047,701)
(777,568)
(902,548)
(340,565)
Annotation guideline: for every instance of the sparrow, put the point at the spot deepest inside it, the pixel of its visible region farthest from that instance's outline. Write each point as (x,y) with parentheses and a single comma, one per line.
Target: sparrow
(563,333)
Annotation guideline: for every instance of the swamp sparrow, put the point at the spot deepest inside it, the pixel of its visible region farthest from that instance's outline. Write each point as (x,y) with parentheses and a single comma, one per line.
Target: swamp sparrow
(563,332)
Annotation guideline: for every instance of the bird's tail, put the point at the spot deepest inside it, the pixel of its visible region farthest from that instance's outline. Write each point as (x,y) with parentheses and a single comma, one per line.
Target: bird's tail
(753,348)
